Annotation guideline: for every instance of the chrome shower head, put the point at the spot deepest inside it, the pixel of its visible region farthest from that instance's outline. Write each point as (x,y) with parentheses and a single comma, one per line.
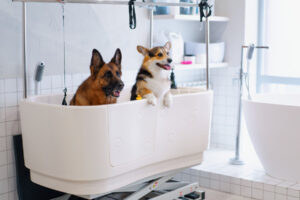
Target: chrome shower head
(250,51)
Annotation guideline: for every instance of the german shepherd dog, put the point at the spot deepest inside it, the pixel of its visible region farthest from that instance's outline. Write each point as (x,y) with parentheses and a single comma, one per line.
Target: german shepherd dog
(104,84)
(152,81)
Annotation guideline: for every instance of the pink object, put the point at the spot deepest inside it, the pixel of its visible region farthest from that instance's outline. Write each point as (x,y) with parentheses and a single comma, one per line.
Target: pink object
(187,62)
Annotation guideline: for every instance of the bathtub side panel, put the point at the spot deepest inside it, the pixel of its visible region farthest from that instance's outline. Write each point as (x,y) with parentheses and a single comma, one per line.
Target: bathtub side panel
(132,133)
(274,131)
(65,143)
(184,128)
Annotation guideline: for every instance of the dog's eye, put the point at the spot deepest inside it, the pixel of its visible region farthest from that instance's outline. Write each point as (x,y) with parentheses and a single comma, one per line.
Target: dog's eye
(160,54)
(168,53)
(151,54)
(108,74)
(118,74)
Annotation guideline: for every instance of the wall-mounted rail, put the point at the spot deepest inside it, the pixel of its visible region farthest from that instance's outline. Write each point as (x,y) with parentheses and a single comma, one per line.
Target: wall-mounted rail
(140,3)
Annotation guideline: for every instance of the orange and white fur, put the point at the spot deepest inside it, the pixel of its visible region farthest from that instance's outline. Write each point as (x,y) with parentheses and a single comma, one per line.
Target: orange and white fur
(152,81)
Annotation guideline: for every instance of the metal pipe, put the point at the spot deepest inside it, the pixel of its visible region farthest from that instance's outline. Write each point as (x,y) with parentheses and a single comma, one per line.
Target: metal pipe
(137,3)
(236,160)
(257,47)
(25,49)
(207,40)
(151,26)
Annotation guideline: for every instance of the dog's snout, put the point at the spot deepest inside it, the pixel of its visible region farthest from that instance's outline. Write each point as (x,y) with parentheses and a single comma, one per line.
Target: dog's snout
(121,85)
(169,60)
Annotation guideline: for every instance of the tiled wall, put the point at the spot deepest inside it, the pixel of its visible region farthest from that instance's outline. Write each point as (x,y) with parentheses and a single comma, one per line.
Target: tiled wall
(224,83)
(11,91)
(246,181)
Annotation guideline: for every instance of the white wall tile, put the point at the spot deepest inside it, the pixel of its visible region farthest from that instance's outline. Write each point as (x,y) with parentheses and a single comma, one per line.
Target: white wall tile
(3,158)
(2,143)
(293,193)
(20,84)
(292,198)
(246,183)
(258,185)
(246,191)
(11,113)
(2,114)
(3,186)
(12,196)
(76,78)
(57,81)
(235,189)
(225,187)
(2,100)
(4,196)
(235,180)
(269,195)
(269,187)
(257,193)
(10,156)
(205,182)
(12,127)
(225,178)
(46,82)
(215,185)
(9,142)
(280,197)
(12,184)
(10,85)
(11,170)
(11,99)
(2,129)
(3,172)
(2,86)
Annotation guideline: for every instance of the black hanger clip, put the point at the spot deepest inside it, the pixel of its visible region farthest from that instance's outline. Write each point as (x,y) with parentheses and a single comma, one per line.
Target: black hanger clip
(64,102)
(132,15)
(203,7)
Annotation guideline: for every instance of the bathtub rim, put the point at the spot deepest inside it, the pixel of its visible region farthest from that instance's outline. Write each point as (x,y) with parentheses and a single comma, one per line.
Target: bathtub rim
(34,99)
(259,98)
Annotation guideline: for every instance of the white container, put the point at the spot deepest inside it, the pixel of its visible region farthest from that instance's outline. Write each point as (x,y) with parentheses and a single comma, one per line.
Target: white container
(216,50)
(174,10)
(190,58)
(85,150)
(273,125)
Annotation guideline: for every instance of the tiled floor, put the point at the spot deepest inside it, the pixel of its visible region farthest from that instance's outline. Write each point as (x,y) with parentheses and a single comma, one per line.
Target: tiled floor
(248,180)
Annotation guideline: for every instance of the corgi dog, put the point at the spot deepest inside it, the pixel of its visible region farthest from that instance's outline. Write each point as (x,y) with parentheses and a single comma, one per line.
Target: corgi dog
(104,84)
(152,81)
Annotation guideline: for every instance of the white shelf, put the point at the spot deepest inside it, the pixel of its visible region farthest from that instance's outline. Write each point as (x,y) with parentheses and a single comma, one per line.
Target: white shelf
(190,18)
(199,66)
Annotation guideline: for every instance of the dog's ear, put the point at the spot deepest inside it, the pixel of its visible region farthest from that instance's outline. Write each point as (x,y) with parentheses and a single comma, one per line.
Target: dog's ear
(168,46)
(117,59)
(142,50)
(96,63)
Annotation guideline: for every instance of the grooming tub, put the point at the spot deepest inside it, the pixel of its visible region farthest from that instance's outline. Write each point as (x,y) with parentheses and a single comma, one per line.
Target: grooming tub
(86,150)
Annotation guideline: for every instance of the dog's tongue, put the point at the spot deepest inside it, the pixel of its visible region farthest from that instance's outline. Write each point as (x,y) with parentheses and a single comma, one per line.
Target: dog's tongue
(116,93)
(167,67)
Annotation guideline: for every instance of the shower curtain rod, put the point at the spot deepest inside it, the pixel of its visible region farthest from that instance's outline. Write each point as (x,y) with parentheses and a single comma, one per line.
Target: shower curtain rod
(137,3)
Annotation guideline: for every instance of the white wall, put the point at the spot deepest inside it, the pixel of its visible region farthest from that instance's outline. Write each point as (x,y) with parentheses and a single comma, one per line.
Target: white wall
(234,34)
(87,26)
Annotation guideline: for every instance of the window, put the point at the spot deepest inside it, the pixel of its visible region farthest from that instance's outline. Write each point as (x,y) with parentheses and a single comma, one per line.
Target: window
(278,67)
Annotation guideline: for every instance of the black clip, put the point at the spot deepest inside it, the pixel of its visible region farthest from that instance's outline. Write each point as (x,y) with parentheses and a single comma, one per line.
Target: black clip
(203,6)
(64,102)
(132,15)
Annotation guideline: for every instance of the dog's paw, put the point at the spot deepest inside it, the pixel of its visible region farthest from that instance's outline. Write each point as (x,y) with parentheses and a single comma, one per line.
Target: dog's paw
(168,100)
(151,99)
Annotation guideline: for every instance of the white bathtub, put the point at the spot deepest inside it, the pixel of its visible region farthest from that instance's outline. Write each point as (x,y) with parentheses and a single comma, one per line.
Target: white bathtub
(97,149)
(273,122)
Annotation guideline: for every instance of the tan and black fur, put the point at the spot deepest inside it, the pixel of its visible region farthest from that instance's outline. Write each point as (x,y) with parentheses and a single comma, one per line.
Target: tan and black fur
(104,84)
(152,81)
